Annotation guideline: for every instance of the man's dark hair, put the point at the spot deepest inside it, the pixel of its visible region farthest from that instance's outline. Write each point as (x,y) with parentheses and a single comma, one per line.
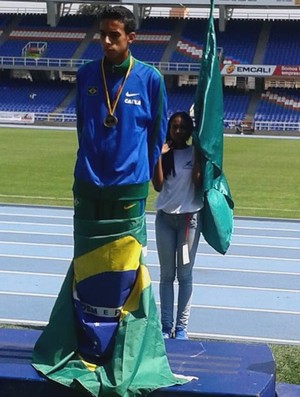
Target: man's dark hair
(121,14)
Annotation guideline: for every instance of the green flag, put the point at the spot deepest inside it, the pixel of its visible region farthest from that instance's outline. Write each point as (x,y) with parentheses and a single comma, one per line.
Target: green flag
(208,138)
(134,361)
(104,336)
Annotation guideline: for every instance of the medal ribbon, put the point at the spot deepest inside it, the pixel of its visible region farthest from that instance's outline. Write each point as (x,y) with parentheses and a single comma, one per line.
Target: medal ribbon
(112,108)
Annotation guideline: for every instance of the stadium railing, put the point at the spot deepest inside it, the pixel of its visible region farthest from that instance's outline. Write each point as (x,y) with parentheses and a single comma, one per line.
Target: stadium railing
(69,64)
(277,126)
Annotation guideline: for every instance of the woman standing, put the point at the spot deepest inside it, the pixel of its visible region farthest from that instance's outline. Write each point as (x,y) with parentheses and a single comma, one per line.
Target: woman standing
(178,222)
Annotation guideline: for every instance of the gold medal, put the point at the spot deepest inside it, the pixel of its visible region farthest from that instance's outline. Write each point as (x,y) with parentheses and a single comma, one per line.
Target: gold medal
(110,121)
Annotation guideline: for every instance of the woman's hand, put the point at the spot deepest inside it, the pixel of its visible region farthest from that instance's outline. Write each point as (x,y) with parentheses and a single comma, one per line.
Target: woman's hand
(166,148)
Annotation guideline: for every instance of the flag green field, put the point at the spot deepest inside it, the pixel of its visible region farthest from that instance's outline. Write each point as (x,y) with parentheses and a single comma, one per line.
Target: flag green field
(208,139)
(37,168)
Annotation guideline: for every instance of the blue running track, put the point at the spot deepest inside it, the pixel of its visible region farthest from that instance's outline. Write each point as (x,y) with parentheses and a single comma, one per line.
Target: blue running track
(250,294)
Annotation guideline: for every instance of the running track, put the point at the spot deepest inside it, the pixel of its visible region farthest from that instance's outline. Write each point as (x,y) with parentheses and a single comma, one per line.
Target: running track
(251,294)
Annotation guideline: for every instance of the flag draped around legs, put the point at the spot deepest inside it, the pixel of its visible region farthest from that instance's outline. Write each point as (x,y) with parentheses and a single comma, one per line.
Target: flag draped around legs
(208,139)
(104,335)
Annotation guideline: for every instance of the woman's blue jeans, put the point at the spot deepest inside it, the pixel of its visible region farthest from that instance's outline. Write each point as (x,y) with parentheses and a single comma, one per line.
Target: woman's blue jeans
(173,231)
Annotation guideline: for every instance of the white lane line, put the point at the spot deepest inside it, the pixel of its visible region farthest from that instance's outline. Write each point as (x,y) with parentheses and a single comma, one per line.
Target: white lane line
(195,285)
(37,224)
(36,197)
(52,258)
(39,274)
(269,272)
(13,321)
(36,244)
(244,338)
(149,221)
(192,335)
(246,309)
(210,307)
(30,294)
(239,287)
(279,229)
(155,265)
(25,232)
(272,258)
(268,209)
(36,233)
(263,246)
(23,215)
(71,245)
(243,287)
(250,236)
(278,259)
(251,220)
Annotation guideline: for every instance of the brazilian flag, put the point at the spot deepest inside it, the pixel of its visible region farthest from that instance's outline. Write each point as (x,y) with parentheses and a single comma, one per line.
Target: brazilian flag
(217,213)
(104,335)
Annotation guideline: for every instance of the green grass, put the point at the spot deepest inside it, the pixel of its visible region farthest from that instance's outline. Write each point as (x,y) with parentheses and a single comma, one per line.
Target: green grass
(287,359)
(263,175)
(37,166)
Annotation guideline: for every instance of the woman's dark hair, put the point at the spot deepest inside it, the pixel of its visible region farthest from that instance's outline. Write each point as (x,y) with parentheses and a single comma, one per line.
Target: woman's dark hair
(121,14)
(168,165)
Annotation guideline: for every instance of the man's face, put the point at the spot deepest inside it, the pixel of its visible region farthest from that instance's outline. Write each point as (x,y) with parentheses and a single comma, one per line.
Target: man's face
(114,40)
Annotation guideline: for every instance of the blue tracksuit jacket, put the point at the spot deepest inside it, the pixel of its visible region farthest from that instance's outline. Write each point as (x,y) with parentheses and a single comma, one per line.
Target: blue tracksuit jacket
(126,153)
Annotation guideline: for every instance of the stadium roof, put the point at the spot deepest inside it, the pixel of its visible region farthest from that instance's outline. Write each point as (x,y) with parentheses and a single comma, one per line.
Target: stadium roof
(277,4)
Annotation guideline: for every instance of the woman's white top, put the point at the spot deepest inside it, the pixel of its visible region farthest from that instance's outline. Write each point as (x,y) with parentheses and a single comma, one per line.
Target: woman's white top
(178,192)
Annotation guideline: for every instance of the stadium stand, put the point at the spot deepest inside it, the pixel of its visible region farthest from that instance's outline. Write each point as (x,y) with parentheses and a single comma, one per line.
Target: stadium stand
(281,106)
(173,44)
(181,98)
(241,50)
(28,96)
(153,38)
(235,105)
(61,41)
(284,44)
(189,47)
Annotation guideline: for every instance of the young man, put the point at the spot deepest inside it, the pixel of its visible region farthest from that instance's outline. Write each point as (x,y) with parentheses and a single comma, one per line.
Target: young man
(121,111)
(104,333)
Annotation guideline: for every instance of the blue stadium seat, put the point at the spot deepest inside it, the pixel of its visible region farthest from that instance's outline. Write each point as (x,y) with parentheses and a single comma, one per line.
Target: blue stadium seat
(283,46)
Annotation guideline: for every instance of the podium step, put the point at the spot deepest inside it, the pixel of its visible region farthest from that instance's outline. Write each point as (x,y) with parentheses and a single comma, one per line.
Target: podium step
(220,368)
